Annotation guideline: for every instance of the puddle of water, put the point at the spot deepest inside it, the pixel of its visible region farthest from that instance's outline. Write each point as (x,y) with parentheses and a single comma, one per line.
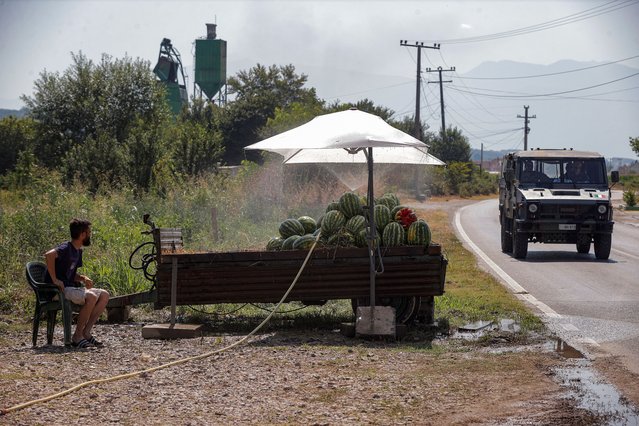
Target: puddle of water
(601,398)
(563,349)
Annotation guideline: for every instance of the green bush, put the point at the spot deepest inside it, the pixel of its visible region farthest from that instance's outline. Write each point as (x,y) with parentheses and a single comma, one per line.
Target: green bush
(630,197)
(34,218)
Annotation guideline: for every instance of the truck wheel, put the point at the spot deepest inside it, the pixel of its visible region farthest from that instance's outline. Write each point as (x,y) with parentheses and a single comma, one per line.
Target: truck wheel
(603,243)
(520,244)
(506,239)
(583,246)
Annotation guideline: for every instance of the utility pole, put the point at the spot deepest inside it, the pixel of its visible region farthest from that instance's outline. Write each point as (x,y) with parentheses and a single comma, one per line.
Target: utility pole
(526,123)
(441,95)
(481,158)
(419,45)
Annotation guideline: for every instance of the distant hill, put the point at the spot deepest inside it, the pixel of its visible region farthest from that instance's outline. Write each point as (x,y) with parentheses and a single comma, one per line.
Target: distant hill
(14,112)
(492,158)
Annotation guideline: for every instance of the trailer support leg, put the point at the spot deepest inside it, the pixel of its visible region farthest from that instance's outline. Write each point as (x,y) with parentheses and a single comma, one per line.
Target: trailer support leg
(173,291)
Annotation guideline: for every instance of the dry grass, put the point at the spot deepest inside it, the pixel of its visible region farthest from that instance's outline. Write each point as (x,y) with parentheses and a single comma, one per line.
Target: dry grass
(471,293)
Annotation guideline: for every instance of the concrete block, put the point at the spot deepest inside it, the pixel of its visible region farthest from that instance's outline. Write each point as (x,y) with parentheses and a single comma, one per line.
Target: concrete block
(375,321)
(168,331)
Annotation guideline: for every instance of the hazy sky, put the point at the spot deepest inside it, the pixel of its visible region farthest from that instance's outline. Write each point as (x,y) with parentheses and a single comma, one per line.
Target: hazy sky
(316,36)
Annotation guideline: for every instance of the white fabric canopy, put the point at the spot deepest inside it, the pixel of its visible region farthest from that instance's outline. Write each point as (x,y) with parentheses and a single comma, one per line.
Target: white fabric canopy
(326,138)
(386,155)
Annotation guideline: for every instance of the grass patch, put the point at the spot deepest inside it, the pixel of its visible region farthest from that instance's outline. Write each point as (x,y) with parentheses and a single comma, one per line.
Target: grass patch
(472,294)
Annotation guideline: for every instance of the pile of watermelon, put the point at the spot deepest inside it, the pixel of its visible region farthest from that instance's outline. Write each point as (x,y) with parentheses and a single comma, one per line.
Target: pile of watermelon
(344,225)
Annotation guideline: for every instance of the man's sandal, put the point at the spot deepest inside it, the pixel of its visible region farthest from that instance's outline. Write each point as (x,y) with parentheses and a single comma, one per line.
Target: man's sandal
(94,342)
(82,344)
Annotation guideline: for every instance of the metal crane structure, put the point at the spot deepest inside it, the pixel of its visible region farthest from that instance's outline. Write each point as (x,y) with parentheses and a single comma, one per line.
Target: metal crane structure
(170,73)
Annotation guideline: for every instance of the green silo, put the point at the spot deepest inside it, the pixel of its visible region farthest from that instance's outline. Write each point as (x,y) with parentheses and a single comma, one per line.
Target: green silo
(210,62)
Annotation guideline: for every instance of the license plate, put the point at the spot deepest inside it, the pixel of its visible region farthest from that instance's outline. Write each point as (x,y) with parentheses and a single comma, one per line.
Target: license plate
(567,227)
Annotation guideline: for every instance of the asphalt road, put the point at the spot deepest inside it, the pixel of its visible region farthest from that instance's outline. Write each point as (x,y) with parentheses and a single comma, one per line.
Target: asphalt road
(590,303)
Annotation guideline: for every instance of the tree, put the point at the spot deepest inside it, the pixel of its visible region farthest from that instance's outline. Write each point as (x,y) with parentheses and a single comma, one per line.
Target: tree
(455,148)
(16,135)
(634,144)
(258,93)
(86,117)
(288,118)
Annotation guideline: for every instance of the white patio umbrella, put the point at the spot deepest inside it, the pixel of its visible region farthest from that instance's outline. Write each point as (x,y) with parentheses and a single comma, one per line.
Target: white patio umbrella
(350,137)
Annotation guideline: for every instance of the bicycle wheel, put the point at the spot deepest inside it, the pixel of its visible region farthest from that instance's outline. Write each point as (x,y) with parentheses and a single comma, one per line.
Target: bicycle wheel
(141,255)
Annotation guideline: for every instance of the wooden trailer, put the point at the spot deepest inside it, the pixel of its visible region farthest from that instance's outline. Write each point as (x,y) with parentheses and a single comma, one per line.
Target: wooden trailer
(408,278)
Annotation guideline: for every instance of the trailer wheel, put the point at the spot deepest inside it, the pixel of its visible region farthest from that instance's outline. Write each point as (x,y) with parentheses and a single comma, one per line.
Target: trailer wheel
(406,307)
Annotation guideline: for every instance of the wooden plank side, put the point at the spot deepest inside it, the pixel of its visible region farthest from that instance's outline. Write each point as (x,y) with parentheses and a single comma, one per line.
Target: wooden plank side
(241,282)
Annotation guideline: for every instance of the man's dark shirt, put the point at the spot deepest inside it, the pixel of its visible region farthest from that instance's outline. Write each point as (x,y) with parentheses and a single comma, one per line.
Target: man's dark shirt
(66,264)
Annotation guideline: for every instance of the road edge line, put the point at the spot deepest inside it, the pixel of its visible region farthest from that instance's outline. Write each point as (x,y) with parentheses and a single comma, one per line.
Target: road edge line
(520,292)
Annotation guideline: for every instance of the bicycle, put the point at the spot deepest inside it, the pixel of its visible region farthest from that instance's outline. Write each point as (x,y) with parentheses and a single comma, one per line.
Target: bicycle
(144,257)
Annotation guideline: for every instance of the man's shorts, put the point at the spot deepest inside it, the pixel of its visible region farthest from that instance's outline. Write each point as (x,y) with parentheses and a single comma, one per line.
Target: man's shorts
(77,295)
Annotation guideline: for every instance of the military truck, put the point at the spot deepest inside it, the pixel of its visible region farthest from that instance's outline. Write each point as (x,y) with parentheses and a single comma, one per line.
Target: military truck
(555,197)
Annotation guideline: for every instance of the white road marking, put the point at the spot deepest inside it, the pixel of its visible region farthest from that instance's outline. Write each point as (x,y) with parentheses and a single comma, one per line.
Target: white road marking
(588,341)
(517,289)
(623,253)
(569,327)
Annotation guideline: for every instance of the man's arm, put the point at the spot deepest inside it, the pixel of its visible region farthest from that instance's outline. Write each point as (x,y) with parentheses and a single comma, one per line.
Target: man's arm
(88,283)
(50,257)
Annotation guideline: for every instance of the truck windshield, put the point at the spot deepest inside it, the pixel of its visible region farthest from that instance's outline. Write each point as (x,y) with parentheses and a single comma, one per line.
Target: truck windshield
(549,173)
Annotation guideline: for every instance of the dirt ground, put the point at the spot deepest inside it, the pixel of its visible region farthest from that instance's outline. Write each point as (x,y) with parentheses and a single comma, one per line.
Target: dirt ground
(290,377)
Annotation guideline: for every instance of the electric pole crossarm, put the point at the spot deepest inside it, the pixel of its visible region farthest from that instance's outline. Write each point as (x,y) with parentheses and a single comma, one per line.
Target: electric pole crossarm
(526,123)
(440,70)
(419,45)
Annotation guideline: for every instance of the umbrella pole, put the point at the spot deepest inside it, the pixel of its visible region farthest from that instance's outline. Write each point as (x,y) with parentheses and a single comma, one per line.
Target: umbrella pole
(372,233)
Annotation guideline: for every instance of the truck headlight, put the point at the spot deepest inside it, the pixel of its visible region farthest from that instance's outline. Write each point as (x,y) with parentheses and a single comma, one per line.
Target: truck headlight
(602,209)
(532,208)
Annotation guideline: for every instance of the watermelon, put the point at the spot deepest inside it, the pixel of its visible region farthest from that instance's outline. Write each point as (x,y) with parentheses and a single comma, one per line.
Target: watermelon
(319,221)
(355,224)
(288,243)
(393,197)
(332,206)
(341,239)
(304,242)
(419,234)
(396,209)
(308,223)
(361,239)
(393,235)
(274,244)
(349,205)
(382,216)
(332,222)
(291,227)
(387,201)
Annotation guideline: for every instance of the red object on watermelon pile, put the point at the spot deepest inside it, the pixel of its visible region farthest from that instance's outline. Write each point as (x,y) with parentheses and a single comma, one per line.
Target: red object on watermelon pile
(405,217)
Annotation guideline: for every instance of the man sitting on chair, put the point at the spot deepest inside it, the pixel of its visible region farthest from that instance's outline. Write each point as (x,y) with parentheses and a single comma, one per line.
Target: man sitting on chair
(62,265)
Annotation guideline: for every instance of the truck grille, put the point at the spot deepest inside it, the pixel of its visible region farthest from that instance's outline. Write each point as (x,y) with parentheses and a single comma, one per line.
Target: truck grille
(571,212)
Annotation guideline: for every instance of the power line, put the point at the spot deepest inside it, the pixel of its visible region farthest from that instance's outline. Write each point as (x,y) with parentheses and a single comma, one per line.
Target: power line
(551,73)
(473,100)
(569,19)
(520,96)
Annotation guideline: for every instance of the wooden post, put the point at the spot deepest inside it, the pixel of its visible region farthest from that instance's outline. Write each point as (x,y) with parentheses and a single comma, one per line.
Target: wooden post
(173,290)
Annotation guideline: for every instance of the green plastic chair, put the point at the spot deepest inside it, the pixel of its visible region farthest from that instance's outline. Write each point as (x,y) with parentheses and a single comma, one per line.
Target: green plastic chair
(46,302)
